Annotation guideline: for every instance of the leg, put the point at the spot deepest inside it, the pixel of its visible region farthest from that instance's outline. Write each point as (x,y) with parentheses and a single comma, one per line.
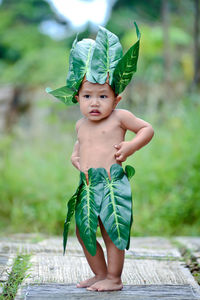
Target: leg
(115,259)
(97,264)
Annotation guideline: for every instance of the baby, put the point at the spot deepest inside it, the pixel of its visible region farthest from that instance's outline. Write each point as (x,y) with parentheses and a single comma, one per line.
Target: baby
(101,144)
(103,196)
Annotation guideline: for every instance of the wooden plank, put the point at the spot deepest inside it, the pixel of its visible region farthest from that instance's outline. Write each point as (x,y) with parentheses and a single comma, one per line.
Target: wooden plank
(48,245)
(134,292)
(151,247)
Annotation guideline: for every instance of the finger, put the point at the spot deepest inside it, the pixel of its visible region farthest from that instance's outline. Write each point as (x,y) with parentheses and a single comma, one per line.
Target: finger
(118,153)
(117,146)
(120,158)
(120,144)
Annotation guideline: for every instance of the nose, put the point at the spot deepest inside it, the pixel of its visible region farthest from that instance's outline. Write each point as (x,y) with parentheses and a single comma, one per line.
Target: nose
(94,102)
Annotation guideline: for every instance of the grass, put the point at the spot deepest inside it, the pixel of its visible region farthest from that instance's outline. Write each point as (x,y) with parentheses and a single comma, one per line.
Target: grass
(37,177)
(190,260)
(16,276)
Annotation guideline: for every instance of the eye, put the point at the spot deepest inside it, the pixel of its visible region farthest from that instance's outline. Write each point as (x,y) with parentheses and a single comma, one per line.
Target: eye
(103,96)
(86,96)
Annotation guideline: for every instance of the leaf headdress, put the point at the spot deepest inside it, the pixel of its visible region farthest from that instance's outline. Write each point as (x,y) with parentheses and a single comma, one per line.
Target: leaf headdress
(95,60)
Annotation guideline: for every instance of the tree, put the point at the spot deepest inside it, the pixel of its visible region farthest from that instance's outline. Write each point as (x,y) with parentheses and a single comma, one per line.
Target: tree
(196,44)
(166,39)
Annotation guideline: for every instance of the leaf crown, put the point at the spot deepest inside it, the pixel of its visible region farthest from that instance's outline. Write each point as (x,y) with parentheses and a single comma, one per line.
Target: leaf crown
(95,60)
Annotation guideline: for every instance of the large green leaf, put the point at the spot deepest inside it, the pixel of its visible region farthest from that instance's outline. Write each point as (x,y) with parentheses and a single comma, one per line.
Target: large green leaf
(107,53)
(126,67)
(82,55)
(65,94)
(116,207)
(71,80)
(70,212)
(87,210)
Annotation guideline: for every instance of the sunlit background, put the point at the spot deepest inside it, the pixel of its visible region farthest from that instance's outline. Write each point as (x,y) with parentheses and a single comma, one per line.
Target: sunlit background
(37,132)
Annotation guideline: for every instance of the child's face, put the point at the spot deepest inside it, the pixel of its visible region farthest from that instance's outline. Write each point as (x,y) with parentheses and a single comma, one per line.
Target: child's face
(97,101)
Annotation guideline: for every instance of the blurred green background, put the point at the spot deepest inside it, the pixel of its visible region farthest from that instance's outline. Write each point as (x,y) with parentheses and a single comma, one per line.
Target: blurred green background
(37,132)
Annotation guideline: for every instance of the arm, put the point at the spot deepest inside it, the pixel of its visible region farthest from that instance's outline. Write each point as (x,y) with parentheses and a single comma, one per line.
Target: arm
(144,133)
(75,158)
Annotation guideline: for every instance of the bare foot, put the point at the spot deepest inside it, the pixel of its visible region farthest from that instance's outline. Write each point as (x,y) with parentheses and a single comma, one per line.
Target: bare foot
(106,285)
(90,281)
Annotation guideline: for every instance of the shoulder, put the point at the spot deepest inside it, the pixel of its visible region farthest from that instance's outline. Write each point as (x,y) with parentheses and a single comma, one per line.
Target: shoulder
(79,123)
(129,121)
(123,114)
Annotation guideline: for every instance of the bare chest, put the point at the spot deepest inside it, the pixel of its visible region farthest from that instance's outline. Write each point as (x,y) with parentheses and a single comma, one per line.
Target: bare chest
(107,132)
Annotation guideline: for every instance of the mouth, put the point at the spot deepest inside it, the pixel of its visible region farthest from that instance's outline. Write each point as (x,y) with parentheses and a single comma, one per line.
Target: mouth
(95,112)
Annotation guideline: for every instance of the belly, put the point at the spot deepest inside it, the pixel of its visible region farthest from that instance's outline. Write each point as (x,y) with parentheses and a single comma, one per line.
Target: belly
(97,157)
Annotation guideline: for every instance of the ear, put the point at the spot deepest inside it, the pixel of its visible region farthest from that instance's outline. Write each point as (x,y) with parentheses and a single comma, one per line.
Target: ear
(77,98)
(117,99)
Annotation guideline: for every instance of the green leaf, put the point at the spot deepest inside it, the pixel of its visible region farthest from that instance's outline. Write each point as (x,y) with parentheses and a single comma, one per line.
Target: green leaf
(130,171)
(82,55)
(116,207)
(107,53)
(70,212)
(126,67)
(65,94)
(87,210)
(71,80)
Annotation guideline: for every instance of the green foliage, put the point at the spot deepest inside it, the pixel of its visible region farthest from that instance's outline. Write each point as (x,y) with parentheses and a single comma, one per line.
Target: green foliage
(34,184)
(166,190)
(152,11)
(27,57)
(27,12)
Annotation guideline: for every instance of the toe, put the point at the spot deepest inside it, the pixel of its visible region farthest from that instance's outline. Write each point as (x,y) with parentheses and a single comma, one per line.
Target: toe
(92,288)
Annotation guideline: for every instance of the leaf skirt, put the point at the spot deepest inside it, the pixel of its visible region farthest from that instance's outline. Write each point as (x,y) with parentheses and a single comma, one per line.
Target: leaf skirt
(104,197)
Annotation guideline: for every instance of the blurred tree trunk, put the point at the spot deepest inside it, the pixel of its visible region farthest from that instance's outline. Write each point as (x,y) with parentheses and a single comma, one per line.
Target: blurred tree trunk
(196,44)
(166,41)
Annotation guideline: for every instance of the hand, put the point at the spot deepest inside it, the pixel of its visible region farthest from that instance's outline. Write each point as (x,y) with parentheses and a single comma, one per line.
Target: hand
(124,149)
(75,162)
